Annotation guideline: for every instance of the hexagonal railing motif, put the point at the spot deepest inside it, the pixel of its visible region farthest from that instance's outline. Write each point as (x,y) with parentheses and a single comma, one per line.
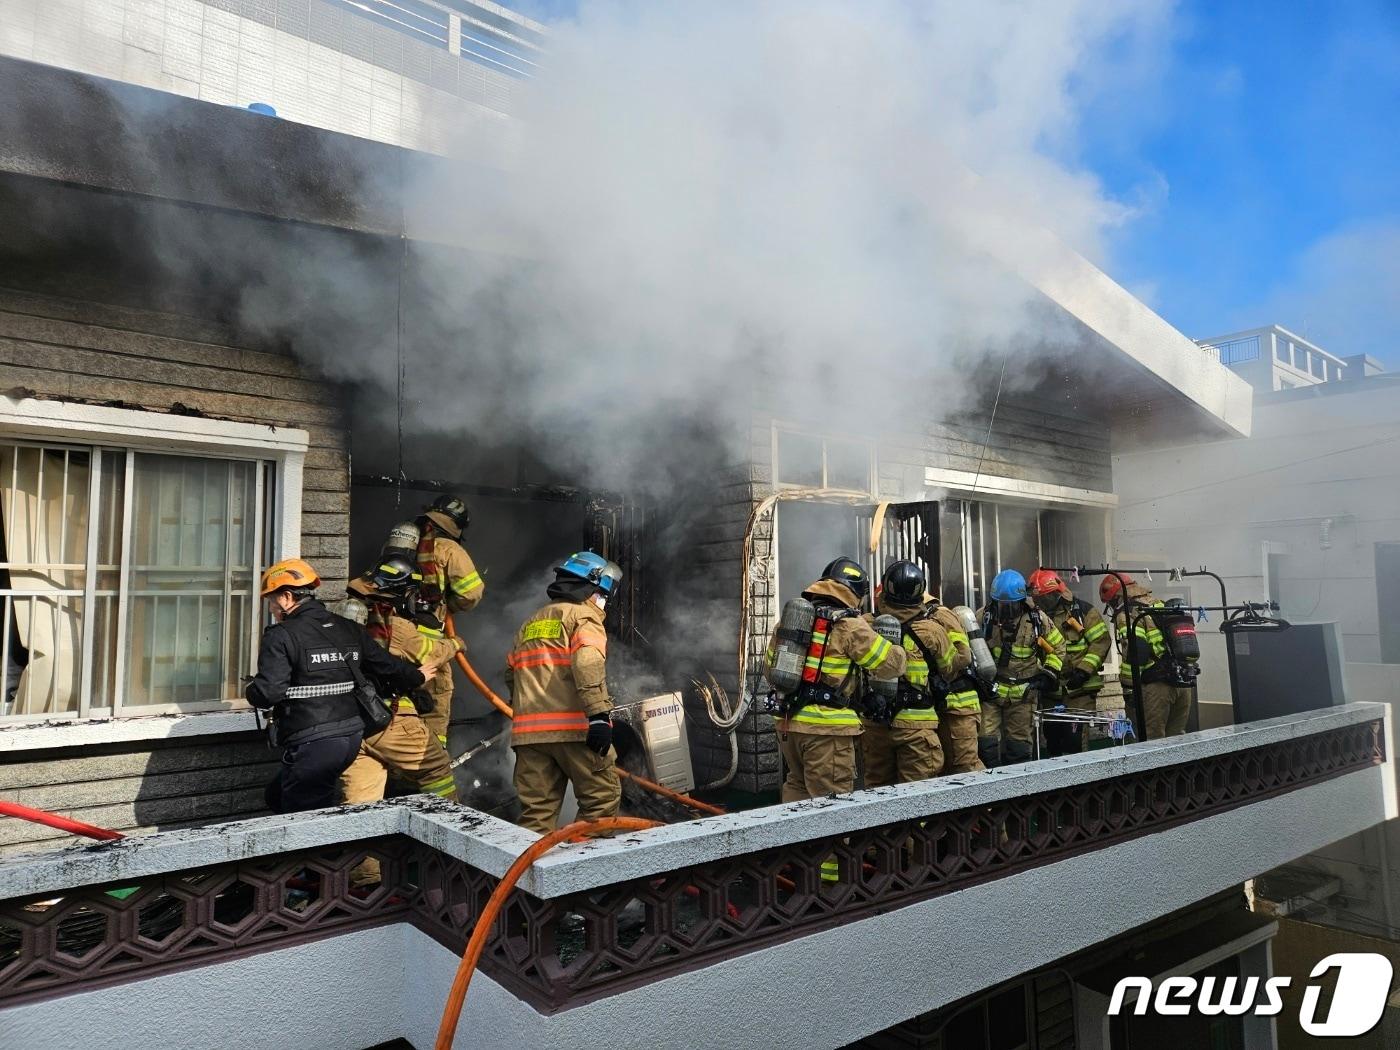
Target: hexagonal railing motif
(560,952)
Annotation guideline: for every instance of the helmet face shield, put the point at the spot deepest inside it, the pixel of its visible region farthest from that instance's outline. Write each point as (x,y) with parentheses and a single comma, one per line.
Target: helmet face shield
(1006,611)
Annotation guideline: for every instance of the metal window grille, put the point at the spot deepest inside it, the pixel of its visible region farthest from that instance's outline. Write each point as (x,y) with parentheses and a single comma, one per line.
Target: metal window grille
(127,579)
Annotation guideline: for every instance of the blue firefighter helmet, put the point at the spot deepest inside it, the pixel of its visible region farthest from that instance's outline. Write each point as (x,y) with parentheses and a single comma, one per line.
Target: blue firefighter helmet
(1008,586)
(585,565)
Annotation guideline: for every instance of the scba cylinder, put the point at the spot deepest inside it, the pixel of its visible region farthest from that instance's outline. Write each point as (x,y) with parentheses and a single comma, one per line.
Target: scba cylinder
(983,666)
(794,637)
(887,627)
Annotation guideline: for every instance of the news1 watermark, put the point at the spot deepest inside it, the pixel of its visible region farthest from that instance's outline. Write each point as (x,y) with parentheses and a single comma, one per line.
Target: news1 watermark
(1359,998)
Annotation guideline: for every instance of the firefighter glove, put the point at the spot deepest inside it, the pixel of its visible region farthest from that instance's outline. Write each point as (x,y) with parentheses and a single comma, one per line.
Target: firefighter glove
(600,734)
(877,708)
(1046,682)
(1076,679)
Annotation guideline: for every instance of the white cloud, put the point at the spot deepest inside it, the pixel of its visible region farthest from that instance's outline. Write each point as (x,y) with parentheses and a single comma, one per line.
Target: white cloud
(1342,292)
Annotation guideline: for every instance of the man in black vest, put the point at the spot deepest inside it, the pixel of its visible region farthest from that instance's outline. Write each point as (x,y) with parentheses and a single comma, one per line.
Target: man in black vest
(305,680)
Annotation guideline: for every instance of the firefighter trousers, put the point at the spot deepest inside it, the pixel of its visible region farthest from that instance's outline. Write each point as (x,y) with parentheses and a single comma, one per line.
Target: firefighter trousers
(406,749)
(817,765)
(900,753)
(958,731)
(1006,731)
(440,689)
(1166,708)
(544,771)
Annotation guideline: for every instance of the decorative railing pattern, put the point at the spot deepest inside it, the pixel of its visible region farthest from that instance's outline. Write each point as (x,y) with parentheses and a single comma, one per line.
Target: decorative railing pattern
(562,951)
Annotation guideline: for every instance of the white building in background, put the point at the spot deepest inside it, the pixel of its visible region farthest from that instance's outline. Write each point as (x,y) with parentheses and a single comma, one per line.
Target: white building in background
(1304,512)
(1273,358)
(411,73)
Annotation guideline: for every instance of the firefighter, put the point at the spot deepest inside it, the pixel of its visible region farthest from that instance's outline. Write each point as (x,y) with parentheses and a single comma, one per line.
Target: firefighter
(817,728)
(556,671)
(904,746)
(1029,654)
(1165,706)
(450,585)
(1086,647)
(305,679)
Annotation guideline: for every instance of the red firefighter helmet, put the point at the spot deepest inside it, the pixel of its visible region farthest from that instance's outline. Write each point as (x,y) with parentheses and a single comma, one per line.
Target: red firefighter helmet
(1111,586)
(1045,581)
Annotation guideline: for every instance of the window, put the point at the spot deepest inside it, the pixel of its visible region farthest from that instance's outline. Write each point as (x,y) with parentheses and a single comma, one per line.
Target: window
(127,578)
(1300,358)
(1319,366)
(1283,350)
(813,461)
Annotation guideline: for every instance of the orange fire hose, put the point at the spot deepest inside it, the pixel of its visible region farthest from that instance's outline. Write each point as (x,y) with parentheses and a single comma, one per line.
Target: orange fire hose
(505,709)
(457,997)
(474,678)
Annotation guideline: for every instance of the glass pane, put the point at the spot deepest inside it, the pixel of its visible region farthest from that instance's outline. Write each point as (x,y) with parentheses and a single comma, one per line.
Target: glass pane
(44,508)
(191,574)
(848,465)
(951,587)
(799,459)
(1020,539)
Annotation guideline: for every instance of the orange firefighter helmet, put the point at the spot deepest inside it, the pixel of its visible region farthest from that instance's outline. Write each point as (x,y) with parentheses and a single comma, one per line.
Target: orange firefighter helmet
(289,572)
(1045,581)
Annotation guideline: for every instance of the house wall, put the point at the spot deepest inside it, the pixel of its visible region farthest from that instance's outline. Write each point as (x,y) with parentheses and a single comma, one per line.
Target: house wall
(1318,485)
(1024,443)
(69,349)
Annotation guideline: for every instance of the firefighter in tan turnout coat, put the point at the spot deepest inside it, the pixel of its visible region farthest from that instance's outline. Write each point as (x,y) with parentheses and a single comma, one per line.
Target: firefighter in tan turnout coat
(818,729)
(904,745)
(562,731)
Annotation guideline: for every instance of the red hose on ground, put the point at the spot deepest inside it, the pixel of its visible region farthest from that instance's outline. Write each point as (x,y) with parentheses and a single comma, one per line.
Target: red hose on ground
(53,820)
(452,1011)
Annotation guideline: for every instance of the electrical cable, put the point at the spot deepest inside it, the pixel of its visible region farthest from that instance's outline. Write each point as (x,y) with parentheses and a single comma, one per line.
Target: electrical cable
(476,944)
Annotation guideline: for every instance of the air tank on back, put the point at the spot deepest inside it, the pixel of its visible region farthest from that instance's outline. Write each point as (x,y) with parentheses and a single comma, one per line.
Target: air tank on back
(887,627)
(793,638)
(983,666)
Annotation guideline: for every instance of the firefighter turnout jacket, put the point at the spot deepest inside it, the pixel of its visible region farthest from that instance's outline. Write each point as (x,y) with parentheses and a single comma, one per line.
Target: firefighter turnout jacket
(924,625)
(962,694)
(556,671)
(409,641)
(1087,641)
(1019,655)
(1144,651)
(450,580)
(851,645)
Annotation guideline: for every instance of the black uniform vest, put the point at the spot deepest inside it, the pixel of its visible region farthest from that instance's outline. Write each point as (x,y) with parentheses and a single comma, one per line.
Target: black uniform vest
(318,704)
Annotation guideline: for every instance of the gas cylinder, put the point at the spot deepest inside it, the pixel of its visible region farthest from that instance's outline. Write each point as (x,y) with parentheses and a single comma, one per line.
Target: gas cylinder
(352,609)
(983,666)
(790,644)
(887,627)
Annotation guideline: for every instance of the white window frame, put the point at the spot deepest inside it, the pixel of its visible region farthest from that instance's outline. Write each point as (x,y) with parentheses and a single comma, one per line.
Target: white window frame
(824,437)
(98,426)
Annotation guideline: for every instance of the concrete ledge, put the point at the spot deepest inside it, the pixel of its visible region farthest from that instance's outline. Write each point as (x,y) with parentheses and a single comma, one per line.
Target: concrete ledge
(490,844)
(84,732)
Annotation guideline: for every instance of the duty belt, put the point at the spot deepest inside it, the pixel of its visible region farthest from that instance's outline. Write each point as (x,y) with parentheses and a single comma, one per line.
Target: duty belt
(307,692)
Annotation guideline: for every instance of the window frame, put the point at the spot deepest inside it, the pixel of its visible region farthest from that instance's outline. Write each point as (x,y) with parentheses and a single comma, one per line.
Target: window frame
(826,438)
(100,428)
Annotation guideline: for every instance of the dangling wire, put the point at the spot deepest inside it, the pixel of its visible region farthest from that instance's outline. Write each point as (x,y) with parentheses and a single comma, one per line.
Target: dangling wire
(981,458)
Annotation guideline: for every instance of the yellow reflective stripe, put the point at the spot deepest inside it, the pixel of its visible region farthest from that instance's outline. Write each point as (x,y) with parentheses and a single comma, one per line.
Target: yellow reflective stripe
(1053,635)
(1053,661)
(818,715)
(442,739)
(429,631)
(957,636)
(442,787)
(1020,652)
(964,702)
(469,582)
(1093,659)
(1097,631)
(1076,647)
(1012,690)
(836,664)
(918,714)
(819,636)
(425,649)
(945,660)
(875,655)
(769,655)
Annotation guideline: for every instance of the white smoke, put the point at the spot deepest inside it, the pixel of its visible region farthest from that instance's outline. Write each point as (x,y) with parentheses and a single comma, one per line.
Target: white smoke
(822,199)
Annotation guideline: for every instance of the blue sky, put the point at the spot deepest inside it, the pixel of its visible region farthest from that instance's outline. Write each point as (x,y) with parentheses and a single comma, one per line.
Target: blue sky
(1261,158)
